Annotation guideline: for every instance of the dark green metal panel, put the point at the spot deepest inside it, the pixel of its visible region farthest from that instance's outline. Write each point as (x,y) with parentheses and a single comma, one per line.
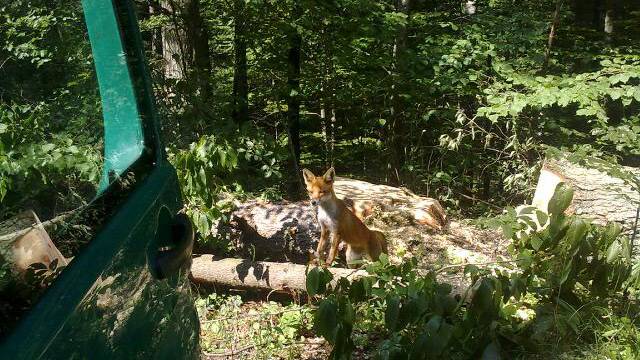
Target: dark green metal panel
(123,138)
(108,304)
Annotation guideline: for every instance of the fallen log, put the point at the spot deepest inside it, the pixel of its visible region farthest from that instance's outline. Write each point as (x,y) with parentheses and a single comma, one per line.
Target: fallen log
(284,231)
(597,195)
(243,273)
(364,197)
(288,231)
(266,275)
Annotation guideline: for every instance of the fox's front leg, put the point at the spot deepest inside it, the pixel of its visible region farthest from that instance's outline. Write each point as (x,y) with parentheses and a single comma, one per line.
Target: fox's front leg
(322,244)
(335,241)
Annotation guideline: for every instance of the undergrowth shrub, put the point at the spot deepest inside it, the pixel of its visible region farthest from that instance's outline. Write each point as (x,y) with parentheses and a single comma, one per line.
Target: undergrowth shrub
(567,275)
(218,168)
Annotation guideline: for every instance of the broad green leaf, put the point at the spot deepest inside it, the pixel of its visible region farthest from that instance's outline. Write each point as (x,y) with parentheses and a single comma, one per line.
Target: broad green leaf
(542,217)
(561,199)
(313,281)
(507,230)
(565,272)
(536,242)
(611,231)
(576,233)
(326,320)
(613,251)
(392,312)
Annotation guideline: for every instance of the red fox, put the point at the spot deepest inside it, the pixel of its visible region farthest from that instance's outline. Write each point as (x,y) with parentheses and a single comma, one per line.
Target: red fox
(338,221)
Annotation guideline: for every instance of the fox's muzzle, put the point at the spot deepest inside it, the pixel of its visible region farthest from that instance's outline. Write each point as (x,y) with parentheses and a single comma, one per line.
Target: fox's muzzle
(314,202)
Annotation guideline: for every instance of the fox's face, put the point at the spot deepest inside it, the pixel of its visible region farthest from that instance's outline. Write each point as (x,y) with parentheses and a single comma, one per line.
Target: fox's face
(320,188)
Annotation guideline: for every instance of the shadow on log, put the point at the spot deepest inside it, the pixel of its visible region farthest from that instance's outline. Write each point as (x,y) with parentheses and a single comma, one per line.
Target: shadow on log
(265,275)
(288,231)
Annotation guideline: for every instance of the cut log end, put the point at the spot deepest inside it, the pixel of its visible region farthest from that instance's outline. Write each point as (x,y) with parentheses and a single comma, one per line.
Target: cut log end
(597,195)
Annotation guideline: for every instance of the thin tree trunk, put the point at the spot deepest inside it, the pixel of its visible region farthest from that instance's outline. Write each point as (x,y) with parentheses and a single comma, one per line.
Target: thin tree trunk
(240,79)
(328,113)
(609,18)
(199,40)
(552,33)
(293,101)
(156,37)
(144,12)
(395,136)
(323,124)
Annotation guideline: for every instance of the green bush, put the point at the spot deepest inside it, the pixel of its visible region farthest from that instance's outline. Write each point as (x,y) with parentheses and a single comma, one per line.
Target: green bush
(561,278)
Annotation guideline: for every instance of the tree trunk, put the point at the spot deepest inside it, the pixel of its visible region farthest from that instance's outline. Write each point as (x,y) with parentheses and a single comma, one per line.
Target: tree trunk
(395,136)
(469,7)
(293,103)
(609,13)
(174,43)
(199,41)
(156,36)
(240,79)
(293,81)
(328,113)
(597,195)
(265,275)
(587,13)
(24,243)
(552,33)
(143,10)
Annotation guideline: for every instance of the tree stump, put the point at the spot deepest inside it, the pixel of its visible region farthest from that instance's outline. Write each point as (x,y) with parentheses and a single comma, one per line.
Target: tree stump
(25,243)
(597,195)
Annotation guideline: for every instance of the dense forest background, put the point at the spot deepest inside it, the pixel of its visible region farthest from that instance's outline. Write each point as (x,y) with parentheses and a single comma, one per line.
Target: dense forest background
(455,100)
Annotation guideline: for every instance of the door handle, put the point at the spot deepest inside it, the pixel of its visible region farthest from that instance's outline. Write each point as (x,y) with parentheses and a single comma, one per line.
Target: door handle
(171,260)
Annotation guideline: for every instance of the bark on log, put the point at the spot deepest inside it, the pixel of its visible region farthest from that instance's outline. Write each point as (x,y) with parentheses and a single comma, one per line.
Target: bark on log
(288,231)
(265,275)
(598,196)
(243,273)
(364,197)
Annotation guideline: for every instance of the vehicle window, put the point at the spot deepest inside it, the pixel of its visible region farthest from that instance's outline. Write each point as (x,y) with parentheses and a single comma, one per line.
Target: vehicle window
(56,152)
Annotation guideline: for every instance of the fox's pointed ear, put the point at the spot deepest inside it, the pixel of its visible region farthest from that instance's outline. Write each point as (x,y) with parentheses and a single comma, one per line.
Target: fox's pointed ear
(330,175)
(308,175)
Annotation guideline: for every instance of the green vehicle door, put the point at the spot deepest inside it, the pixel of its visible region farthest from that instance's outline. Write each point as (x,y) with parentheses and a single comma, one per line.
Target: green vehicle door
(126,294)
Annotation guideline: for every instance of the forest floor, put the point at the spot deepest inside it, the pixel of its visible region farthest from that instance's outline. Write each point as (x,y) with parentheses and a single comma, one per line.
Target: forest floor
(238,326)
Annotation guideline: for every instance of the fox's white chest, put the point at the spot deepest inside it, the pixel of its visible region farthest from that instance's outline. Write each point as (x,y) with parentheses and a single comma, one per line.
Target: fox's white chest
(327,217)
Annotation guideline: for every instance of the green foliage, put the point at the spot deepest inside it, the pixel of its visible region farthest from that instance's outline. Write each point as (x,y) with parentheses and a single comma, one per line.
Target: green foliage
(474,104)
(565,272)
(567,253)
(269,330)
(50,121)
(214,167)
(317,281)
